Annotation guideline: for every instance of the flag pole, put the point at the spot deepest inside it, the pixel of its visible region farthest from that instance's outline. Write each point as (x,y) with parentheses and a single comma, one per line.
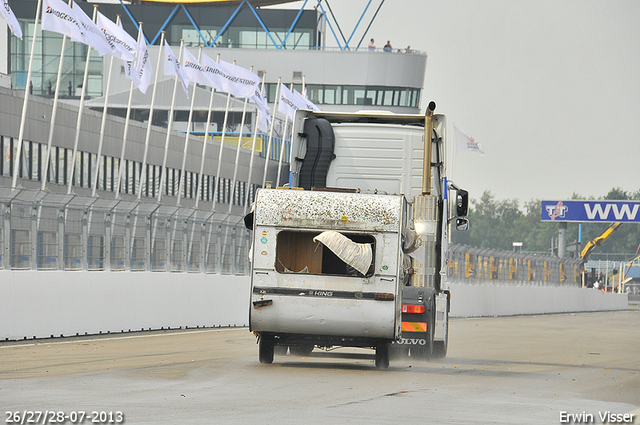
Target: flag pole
(166,150)
(184,158)
(54,111)
(204,148)
(118,186)
(143,173)
(284,135)
(169,125)
(204,155)
(85,79)
(126,123)
(103,124)
(224,131)
(291,157)
(188,135)
(235,168)
(216,187)
(282,143)
(16,160)
(253,150)
(273,119)
(217,176)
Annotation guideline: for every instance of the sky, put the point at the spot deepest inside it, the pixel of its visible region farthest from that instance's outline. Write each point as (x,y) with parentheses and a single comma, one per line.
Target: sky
(551,89)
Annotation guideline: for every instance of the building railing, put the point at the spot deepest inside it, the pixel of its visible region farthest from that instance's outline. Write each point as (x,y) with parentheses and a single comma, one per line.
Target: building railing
(33,159)
(407,49)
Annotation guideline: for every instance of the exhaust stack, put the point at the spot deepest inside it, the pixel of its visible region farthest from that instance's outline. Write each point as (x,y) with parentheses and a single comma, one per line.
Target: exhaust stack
(425,214)
(426,163)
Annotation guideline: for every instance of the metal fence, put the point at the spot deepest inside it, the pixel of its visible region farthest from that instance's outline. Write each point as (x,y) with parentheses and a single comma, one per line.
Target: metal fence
(46,231)
(488,266)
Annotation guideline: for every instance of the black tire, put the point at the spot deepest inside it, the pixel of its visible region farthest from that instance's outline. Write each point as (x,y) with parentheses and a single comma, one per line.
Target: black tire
(382,356)
(431,323)
(266,349)
(301,350)
(440,347)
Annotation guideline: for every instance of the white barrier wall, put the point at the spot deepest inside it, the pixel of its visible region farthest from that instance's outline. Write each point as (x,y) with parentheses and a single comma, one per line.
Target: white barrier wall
(41,304)
(497,300)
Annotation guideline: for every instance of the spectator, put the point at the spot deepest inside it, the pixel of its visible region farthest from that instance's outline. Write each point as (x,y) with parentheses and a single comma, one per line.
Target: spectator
(387,47)
(372,44)
(408,50)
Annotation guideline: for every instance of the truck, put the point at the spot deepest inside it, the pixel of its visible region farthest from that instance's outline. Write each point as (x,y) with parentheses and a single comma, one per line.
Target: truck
(351,253)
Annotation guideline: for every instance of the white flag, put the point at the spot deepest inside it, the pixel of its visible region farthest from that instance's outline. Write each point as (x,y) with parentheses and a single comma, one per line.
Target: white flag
(245,82)
(229,78)
(264,116)
(12,21)
(93,35)
(59,17)
(123,46)
(194,70)
(143,67)
(131,72)
(288,103)
(172,67)
(303,99)
(464,142)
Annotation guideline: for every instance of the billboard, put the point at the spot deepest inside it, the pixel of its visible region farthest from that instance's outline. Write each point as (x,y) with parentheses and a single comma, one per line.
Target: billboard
(592,211)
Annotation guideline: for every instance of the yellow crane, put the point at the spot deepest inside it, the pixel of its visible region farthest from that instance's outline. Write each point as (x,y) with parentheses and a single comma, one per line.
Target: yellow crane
(599,240)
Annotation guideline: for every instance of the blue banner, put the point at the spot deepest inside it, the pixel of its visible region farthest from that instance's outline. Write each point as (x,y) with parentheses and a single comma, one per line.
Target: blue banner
(592,211)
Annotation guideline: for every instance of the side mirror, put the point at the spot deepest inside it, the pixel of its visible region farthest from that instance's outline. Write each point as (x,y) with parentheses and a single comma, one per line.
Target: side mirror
(462,203)
(462,224)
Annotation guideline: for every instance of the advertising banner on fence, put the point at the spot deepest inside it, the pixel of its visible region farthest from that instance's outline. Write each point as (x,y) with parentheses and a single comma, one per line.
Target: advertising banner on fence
(592,211)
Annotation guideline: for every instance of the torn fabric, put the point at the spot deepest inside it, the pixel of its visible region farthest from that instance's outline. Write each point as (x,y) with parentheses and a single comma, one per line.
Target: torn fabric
(357,255)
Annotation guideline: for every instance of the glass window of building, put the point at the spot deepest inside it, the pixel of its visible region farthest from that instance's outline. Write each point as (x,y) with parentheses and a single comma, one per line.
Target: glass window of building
(46,62)
(191,36)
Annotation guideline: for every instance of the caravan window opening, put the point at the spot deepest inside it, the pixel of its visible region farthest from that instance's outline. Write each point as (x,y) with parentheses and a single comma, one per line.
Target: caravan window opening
(296,252)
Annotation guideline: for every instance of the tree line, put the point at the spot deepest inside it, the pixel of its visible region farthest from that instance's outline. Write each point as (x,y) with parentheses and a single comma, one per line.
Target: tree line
(498,223)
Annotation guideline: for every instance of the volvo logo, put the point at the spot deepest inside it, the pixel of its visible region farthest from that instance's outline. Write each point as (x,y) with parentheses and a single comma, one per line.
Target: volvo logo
(412,341)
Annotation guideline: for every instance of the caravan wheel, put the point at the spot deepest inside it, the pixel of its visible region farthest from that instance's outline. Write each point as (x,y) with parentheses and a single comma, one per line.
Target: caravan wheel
(265,349)
(382,356)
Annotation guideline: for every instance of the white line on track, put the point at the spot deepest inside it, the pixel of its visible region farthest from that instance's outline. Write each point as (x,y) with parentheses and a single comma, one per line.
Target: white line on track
(80,338)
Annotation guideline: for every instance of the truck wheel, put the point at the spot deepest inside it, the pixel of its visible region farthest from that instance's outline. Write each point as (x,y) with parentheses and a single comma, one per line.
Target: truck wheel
(440,347)
(382,356)
(265,349)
